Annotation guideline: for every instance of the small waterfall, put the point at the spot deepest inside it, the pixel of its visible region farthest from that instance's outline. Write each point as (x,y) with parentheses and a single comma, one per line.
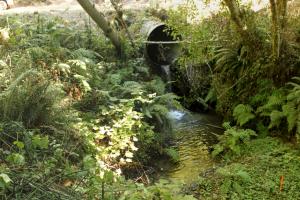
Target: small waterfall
(167,73)
(176,115)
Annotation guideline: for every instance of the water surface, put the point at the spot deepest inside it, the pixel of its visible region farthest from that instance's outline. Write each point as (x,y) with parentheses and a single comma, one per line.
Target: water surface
(194,132)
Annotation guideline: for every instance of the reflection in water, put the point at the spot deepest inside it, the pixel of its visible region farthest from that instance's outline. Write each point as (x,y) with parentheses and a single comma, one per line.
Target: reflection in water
(194,132)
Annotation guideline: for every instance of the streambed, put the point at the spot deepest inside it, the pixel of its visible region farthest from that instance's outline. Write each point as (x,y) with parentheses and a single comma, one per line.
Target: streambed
(194,134)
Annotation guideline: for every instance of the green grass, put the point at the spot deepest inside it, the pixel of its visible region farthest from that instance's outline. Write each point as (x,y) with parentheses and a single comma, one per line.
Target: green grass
(256,174)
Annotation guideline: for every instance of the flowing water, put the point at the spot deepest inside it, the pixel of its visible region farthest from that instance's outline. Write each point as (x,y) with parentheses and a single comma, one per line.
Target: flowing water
(194,134)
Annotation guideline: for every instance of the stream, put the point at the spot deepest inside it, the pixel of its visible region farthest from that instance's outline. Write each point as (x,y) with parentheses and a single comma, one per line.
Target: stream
(194,133)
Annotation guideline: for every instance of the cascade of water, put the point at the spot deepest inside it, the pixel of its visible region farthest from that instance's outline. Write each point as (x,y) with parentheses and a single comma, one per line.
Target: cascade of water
(167,73)
(176,115)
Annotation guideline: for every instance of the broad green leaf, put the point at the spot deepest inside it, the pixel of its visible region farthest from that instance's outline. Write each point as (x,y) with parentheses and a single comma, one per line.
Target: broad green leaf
(40,142)
(16,159)
(19,144)
(5,178)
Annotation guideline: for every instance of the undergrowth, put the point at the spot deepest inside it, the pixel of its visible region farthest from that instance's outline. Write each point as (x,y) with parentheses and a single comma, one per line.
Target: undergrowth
(257,96)
(268,169)
(75,120)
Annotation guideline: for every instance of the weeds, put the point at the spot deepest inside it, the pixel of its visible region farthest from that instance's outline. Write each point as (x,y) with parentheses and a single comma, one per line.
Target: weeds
(72,116)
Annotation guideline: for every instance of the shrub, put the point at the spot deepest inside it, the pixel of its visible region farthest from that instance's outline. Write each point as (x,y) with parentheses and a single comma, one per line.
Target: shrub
(30,98)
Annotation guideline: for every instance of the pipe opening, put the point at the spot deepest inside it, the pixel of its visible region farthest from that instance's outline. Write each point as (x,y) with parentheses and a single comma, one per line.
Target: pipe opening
(157,51)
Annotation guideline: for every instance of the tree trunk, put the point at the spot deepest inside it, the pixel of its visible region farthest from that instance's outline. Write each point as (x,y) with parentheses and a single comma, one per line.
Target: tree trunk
(236,17)
(123,24)
(275,30)
(278,12)
(100,20)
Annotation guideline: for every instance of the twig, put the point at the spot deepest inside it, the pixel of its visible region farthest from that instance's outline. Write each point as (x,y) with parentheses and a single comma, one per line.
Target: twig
(120,16)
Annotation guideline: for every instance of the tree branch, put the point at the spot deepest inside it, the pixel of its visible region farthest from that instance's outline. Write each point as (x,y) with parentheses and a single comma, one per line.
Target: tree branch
(100,20)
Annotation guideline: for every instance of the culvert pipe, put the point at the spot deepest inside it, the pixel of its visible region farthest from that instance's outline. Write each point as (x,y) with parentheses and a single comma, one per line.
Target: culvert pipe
(161,47)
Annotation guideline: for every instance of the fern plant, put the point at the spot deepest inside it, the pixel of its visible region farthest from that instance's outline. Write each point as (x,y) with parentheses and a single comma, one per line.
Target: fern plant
(243,114)
(282,107)
(231,59)
(231,140)
(292,108)
(30,98)
(274,102)
(233,180)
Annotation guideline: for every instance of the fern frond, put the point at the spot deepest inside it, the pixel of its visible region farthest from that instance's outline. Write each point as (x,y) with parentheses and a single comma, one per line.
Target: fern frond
(226,125)
(296,78)
(131,87)
(275,101)
(159,109)
(85,53)
(232,139)
(276,117)
(29,98)
(243,114)
(211,96)
(156,86)
(291,114)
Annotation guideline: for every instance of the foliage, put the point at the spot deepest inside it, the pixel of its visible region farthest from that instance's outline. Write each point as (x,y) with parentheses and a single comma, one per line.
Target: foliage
(291,109)
(238,65)
(162,190)
(173,154)
(283,107)
(71,118)
(254,175)
(243,114)
(233,180)
(232,140)
(193,71)
(74,120)
(32,156)
(30,98)
(5,181)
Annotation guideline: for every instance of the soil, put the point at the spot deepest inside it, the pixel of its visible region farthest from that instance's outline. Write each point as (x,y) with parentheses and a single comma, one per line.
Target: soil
(72,11)
(64,6)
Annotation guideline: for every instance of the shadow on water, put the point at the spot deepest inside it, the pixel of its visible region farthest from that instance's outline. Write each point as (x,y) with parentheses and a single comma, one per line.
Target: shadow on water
(194,134)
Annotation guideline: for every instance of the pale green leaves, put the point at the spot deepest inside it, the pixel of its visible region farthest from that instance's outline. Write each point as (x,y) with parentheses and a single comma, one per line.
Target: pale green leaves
(77,71)
(231,141)
(64,68)
(4,181)
(16,159)
(19,144)
(243,114)
(276,117)
(40,142)
(233,178)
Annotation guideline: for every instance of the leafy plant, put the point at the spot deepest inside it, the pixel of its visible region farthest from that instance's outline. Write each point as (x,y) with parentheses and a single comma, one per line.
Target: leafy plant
(292,107)
(243,114)
(283,106)
(231,60)
(232,139)
(233,180)
(30,98)
(173,154)
(274,102)
(5,182)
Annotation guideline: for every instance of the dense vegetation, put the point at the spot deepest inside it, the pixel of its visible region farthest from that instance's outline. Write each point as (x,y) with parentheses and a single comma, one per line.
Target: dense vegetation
(79,121)
(72,118)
